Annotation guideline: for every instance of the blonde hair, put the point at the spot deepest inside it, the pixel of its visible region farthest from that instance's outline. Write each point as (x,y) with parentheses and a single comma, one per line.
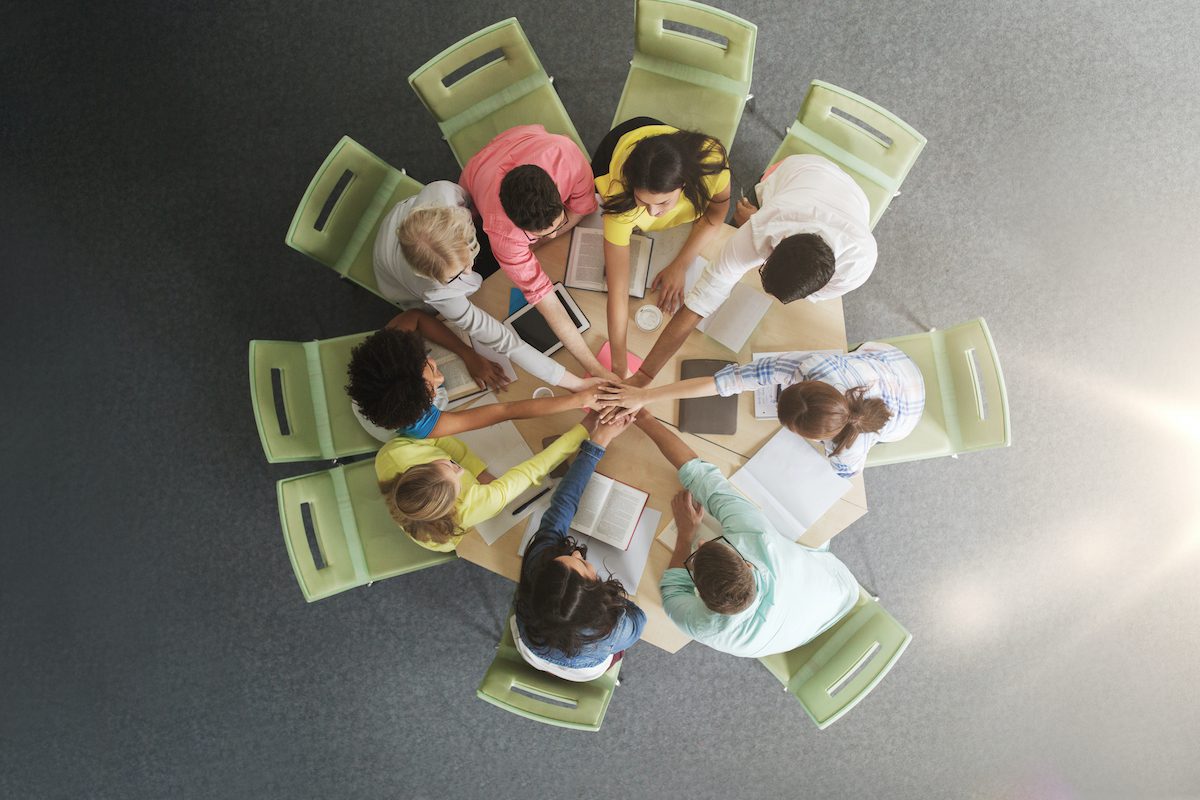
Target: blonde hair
(422,501)
(436,241)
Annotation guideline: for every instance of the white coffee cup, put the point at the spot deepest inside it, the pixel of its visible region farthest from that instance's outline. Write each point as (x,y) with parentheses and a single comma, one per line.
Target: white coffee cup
(542,391)
(648,317)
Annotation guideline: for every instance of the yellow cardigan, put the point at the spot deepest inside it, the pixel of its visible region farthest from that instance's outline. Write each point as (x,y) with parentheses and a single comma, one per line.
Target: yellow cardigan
(619,227)
(476,501)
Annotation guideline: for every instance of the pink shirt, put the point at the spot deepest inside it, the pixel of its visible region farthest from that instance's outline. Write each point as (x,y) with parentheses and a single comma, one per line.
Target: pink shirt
(566,165)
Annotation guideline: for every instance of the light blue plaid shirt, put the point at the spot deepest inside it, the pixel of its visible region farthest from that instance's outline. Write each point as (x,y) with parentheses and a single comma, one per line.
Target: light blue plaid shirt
(885,370)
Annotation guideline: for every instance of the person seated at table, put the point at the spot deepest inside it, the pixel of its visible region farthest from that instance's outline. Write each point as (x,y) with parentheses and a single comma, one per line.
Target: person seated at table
(847,402)
(652,177)
(437,489)
(396,389)
(570,622)
(431,251)
(750,592)
(529,187)
(811,239)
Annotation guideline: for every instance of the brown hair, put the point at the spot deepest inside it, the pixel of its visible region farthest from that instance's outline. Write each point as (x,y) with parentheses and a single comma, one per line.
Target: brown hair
(421,500)
(723,578)
(817,410)
(436,240)
(666,162)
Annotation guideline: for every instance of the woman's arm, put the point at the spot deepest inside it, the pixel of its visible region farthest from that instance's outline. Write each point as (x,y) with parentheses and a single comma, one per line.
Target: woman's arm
(551,308)
(621,399)
(616,269)
(452,422)
(486,373)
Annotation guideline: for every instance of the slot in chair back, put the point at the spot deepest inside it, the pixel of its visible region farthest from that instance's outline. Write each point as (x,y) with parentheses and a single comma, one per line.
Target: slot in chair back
(873,145)
(688,80)
(339,534)
(831,674)
(297,391)
(509,88)
(966,403)
(339,216)
(512,684)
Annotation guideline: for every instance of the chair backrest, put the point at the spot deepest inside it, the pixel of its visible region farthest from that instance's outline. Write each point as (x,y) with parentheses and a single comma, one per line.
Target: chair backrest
(832,673)
(966,403)
(339,215)
(512,684)
(727,67)
(339,535)
(457,102)
(873,145)
(299,400)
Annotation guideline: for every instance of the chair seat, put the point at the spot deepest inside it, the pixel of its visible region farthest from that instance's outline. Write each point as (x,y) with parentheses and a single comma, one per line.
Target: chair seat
(877,196)
(930,439)
(541,106)
(681,104)
(362,269)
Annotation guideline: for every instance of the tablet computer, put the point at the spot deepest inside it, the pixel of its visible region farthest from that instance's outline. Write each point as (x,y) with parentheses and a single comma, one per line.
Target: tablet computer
(529,324)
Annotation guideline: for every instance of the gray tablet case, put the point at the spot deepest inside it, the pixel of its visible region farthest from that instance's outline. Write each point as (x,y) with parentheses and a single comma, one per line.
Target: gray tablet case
(706,414)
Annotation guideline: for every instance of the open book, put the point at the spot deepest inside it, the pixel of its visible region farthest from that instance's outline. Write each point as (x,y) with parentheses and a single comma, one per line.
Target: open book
(791,482)
(459,383)
(737,317)
(609,511)
(585,262)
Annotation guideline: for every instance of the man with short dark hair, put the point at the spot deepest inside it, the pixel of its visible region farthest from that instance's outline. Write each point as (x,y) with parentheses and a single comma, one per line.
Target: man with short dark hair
(750,592)
(811,239)
(530,186)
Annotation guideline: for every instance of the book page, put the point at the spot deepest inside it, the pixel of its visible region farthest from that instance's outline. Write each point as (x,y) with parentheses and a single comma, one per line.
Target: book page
(709,529)
(640,249)
(591,503)
(620,515)
(585,263)
(732,323)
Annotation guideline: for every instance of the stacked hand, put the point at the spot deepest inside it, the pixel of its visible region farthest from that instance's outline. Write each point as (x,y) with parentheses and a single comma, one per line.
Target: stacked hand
(487,374)
(620,400)
(602,433)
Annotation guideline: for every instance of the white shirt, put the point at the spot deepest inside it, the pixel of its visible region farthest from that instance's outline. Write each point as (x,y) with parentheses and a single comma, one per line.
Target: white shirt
(399,283)
(805,194)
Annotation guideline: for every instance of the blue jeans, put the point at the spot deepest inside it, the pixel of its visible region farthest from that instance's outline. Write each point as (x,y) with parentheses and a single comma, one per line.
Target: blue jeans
(564,504)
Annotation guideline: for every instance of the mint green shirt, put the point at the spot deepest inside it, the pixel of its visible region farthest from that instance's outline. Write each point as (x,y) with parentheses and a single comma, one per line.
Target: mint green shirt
(800,591)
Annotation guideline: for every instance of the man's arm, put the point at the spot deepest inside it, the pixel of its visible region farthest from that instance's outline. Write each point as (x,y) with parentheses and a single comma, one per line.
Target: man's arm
(486,373)
(668,443)
(669,341)
(616,267)
(551,309)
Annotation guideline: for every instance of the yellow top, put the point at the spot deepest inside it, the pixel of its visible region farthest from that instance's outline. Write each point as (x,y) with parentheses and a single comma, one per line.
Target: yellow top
(619,227)
(476,501)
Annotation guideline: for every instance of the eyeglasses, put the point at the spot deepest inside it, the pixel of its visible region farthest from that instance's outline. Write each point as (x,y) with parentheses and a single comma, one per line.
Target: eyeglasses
(538,238)
(687,562)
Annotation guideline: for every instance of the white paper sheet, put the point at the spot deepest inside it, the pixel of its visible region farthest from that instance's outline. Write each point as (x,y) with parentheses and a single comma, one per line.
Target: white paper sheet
(732,323)
(501,447)
(709,529)
(791,482)
(626,565)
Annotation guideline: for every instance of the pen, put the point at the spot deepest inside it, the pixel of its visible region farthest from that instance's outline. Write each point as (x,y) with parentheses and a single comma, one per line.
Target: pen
(529,502)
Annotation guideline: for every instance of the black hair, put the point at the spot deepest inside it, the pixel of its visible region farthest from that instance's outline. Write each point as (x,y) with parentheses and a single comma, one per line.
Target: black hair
(798,266)
(387,378)
(562,610)
(530,198)
(667,162)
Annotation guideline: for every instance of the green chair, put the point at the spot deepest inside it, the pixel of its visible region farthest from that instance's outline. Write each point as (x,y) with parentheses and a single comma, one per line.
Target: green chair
(687,80)
(339,216)
(300,405)
(505,87)
(832,673)
(872,144)
(512,684)
(966,405)
(339,534)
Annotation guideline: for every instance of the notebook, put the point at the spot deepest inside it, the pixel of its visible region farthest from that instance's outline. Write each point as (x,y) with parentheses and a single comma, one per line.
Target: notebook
(706,414)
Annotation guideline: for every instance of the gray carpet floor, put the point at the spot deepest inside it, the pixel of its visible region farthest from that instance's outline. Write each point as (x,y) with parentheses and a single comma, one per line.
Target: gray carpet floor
(153,642)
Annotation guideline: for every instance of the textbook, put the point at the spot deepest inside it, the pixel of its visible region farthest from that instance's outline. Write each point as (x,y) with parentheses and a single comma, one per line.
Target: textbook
(733,322)
(459,384)
(791,482)
(585,262)
(609,511)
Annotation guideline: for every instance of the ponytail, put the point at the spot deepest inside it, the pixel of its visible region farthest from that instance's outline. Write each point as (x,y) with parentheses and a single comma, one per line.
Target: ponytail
(422,502)
(817,410)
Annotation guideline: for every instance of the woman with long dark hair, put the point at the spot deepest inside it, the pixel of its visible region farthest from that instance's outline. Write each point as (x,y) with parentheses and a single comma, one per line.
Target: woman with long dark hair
(569,621)
(652,177)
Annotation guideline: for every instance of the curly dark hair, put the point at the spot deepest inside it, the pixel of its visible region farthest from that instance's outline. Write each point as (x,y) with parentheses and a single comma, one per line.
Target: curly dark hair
(530,198)
(561,609)
(668,162)
(798,266)
(387,378)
